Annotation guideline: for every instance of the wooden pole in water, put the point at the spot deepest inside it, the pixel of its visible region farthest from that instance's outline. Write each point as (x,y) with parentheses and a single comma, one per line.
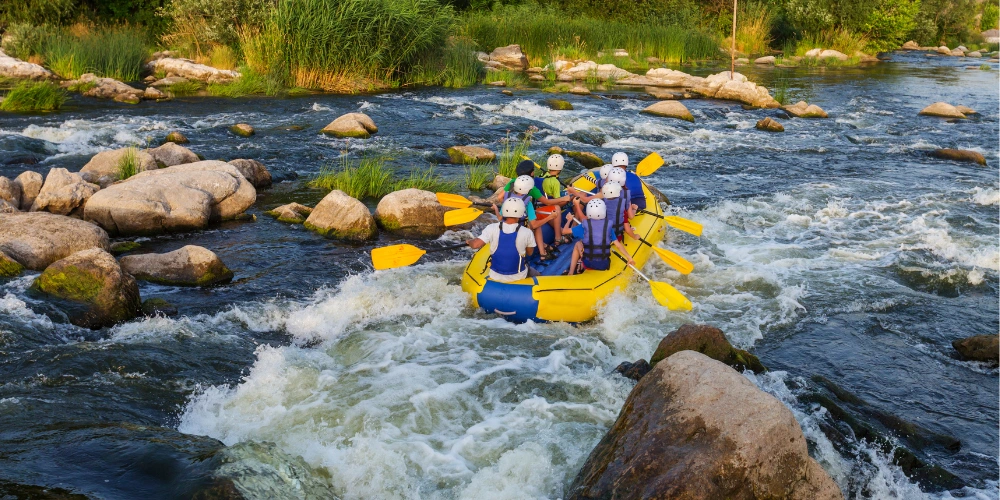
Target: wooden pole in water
(732,52)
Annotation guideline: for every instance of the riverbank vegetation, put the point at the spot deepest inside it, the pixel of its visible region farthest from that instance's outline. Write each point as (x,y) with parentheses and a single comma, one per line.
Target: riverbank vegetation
(33,96)
(372,177)
(362,45)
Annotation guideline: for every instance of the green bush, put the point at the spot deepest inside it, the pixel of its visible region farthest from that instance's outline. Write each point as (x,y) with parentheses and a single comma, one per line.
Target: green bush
(947,22)
(37,12)
(33,96)
(513,152)
(454,65)
(196,25)
(888,24)
(991,16)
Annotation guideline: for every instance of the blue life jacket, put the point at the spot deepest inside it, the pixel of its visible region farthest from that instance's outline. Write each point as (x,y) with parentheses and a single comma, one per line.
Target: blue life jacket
(596,244)
(526,198)
(616,211)
(634,185)
(506,259)
(538,183)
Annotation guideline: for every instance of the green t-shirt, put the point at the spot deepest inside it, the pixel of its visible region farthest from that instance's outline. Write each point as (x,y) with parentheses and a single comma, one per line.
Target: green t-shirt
(552,187)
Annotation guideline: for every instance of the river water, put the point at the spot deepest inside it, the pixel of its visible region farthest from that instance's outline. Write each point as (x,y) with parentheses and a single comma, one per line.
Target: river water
(837,249)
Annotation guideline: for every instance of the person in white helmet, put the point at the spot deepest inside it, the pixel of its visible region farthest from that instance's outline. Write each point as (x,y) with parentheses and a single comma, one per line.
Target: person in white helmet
(616,198)
(596,236)
(598,180)
(632,182)
(510,244)
(522,189)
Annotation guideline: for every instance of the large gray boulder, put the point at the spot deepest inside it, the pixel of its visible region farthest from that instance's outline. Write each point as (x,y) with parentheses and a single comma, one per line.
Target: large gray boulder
(735,88)
(340,216)
(170,154)
(351,125)
(100,293)
(510,57)
(102,168)
(37,239)
(63,193)
(254,171)
(191,70)
(14,68)
(106,88)
(413,213)
(695,428)
(30,184)
(179,198)
(187,266)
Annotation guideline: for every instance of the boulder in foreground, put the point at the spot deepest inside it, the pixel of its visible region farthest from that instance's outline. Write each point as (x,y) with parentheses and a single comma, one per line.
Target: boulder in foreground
(695,428)
(99,293)
(709,341)
(413,213)
(979,348)
(351,125)
(63,193)
(340,216)
(103,167)
(254,171)
(187,266)
(37,239)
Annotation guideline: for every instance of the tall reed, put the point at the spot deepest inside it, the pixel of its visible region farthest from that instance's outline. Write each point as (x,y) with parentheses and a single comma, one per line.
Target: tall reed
(33,96)
(753,28)
(373,177)
(117,53)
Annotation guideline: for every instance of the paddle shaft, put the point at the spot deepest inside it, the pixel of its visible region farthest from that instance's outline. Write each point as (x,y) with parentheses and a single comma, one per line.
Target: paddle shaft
(452,247)
(620,256)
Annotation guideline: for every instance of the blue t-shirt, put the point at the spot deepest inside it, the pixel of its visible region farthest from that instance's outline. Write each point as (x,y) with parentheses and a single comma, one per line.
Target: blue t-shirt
(635,192)
(580,232)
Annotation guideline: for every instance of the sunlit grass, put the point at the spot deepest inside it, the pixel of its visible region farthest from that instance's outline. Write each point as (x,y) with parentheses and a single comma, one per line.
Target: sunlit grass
(478,176)
(117,53)
(33,96)
(511,155)
(373,177)
(128,163)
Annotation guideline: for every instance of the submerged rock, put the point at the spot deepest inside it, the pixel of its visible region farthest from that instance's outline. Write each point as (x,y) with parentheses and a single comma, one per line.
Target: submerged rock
(943,110)
(254,171)
(340,216)
(769,124)
(669,109)
(187,266)
(979,348)
(463,155)
(103,168)
(158,307)
(94,280)
(959,155)
(63,192)
(413,213)
(12,67)
(352,125)
(191,70)
(292,212)
(695,428)
(965,110)
(179,198)
(709,341)
(38,239)
(558,104)
(242,130)
(170,154)
(121,247)
(30,184)
(803,110)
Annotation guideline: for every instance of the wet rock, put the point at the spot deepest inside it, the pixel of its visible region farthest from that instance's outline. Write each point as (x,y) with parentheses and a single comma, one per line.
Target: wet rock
(191,70)
(153,94)
(498,182)
(669,109)
(709,341)
(959,155)
(354,125)
(830,53)
(254,171)
(158,307)
(464,155)
(803,110)
(10,191)
(588,160)
(558,104)
(769,124)
(694,428)
(94,280)
(14,68)
(176,138)
(292,212)
(910,45)
(170,154)
(179,198)
(735,88)
(9,267)
(106,88)
(510,57)
(63,192)
(187,266)
(634,371)
(339,216)
(965,110)
(412,213)
(242,130)
(121,247)
(30,184)
(764,60)
(103,168)
(38,239)
(943,110)
(979,348)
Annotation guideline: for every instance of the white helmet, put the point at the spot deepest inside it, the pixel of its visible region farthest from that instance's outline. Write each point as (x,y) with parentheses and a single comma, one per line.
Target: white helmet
(604,171)
(618,175)
(611,190)
(619,160)
(523,184)
(513,207)
(596,209)
(555,163)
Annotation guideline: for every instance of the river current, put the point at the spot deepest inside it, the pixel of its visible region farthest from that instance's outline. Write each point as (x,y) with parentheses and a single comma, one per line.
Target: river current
(836,251)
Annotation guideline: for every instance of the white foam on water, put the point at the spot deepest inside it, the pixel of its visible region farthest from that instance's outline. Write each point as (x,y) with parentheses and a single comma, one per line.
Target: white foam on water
(76,137)
(985,196)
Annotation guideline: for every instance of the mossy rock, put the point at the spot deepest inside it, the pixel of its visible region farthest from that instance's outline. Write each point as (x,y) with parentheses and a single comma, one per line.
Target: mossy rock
(176,138)
(343,234)
(93,279)
(190,265)
(588,160)
(124,247)
(558,104)
(709,341)
(242,130)
(158,307)
(9,267)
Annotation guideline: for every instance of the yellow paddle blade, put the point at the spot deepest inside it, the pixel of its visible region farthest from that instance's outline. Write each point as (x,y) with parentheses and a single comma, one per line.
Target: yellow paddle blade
(688,226)
(539,167)
(585,184)
(649,165)
(453,200)
(669,297)
(461,216)
(395,256)
(673,260)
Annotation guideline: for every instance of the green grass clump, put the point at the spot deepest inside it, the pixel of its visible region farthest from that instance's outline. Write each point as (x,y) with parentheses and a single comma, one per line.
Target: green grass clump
(477,176)
(839,39)
(455,65)
(427,179)
(985,67)
(34,96)
(373,177)
(189,87)
(510,78)
(128,163)
(117,53)
(251,83)
(513,151)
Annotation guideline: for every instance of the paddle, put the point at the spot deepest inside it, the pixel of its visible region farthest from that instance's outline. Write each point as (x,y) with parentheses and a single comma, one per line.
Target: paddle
(665,294)
(458,201)
(648,165)
(461,216)
(688,226)
(673,260)
(402,255)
